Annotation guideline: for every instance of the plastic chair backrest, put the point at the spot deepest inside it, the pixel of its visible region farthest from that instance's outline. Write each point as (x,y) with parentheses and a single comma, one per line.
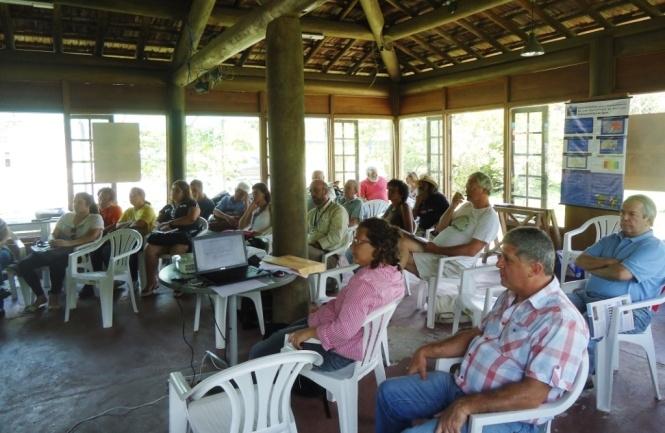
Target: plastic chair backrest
(605,225)
(259,390)
(374,326)
(124,243)
(374,208)
(203,225)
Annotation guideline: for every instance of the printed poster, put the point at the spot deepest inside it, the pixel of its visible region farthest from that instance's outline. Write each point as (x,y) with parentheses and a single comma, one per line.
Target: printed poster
(594,153)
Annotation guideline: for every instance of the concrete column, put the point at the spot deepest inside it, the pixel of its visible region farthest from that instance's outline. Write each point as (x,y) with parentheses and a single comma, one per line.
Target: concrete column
(175,134)
(286,129)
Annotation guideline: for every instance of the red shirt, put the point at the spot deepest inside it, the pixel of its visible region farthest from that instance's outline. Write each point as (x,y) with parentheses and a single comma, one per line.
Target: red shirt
(111,214)
(374,190)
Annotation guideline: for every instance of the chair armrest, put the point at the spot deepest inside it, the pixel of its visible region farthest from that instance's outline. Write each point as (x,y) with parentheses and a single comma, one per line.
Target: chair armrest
(180,385)
(336,271)
(642,304)
(445,364)
(569,286)
(82,250)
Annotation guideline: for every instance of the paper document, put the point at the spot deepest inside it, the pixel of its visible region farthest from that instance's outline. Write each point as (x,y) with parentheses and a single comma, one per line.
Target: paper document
(600,313)
(239,287)
(302,267)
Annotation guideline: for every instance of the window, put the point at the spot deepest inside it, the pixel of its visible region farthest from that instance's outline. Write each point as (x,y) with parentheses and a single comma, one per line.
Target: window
(477,145)
(316,146)
(346,150)
(362,143)
(83,158)
(33,169)
(422,146)
(650,103)
(529,181)
(222,151)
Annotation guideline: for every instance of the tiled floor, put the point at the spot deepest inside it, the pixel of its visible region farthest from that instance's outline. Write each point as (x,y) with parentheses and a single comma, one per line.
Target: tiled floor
(55,373)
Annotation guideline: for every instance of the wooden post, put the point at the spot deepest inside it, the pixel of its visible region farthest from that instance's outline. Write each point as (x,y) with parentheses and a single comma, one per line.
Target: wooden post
(175,134)
(286,129)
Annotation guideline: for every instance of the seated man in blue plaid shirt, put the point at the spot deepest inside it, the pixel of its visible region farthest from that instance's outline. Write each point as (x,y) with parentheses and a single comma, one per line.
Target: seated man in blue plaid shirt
(526,352)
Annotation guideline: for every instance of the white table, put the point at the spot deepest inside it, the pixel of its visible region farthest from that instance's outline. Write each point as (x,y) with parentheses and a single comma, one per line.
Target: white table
(223,295)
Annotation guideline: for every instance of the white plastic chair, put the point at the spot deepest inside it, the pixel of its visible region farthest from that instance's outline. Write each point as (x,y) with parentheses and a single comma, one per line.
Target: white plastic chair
(256,397)
(607,352)
(124,243)
(545,410)
(16,284)
(342,385)
(478,290)
(254,296)
(339,251)
(429,297)
(604,225)
(373,208)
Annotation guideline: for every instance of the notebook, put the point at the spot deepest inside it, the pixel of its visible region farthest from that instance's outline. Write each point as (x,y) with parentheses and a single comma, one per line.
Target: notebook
(221,258)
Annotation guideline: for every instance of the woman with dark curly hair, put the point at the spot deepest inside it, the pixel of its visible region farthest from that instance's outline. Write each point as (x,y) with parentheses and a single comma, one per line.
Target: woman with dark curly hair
(338,323)
(399,213)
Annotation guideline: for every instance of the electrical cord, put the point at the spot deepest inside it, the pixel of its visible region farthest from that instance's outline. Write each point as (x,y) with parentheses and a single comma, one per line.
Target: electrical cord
(127,409)
(214,319)
(191,348)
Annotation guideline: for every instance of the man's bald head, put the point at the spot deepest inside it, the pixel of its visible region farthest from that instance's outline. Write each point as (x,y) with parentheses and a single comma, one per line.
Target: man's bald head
(319,191)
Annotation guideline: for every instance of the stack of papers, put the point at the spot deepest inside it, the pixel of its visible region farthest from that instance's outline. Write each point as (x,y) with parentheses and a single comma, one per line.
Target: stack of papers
(292,265)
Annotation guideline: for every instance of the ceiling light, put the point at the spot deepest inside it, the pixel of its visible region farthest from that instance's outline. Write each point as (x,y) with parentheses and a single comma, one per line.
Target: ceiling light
(532,47)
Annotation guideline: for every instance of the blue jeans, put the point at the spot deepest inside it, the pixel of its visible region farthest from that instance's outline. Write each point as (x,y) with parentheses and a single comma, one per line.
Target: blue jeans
(580,297)
(6,258)
(273,344)
(403,399)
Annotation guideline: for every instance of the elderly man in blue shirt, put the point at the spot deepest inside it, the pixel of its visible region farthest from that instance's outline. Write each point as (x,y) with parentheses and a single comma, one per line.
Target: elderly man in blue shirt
(629,262)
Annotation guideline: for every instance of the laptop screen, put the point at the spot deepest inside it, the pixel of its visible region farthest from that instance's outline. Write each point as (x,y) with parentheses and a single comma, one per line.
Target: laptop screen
(219,251)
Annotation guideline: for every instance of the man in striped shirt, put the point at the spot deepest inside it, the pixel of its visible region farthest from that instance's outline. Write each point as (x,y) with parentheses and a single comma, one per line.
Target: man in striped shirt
(527,351)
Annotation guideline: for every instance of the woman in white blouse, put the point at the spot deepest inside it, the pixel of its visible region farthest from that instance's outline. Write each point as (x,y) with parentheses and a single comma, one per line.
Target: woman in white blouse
(256,218)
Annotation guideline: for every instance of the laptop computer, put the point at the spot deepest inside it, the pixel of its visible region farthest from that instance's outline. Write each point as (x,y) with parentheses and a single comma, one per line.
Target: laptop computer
(221,258)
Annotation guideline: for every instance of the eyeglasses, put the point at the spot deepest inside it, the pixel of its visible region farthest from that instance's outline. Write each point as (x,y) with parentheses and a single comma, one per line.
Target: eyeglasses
(357,241)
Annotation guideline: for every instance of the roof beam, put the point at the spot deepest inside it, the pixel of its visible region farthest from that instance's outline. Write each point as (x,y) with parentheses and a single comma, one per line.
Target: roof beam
(556,25)
(312,51)
(143,38)
(347,9)
(338,56)
(647,8)
(192,30)
(360,61)
(170,9)
(102,27)
(427,46)
(249,30)
(594,14)
(481,35)
(8,28)
(506,24)
(426,62)
(57,29)
(376,23)
(244,56)
(439,17)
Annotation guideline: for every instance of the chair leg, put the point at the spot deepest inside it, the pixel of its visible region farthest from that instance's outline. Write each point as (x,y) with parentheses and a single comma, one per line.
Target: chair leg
(385,349)
(379,373)
(106,302)
(604,376)
(197,313)
(431,303)
(177,412)
(220,321)
(347,406)
(258,305)
(647,344)
(457,315)
(130,286)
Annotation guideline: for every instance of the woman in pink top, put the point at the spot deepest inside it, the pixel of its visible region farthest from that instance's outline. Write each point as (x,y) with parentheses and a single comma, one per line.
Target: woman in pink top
(374,187)
(338,323)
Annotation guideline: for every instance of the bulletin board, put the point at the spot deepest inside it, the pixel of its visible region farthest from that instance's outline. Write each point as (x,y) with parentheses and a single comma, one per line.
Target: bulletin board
(645,156)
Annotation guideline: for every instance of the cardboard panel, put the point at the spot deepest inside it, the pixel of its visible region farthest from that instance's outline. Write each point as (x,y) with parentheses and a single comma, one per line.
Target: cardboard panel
(477,95)
(560,84)
(366,105)
(107,98)
(219,102)
(30,96)
(421,102)
(642,73)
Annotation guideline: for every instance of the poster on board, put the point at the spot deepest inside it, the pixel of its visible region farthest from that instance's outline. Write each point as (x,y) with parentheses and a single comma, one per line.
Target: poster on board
(594,153)
(117,151)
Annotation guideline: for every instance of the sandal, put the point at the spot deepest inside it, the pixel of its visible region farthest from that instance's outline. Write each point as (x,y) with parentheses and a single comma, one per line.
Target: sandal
(33,308)
(148,293)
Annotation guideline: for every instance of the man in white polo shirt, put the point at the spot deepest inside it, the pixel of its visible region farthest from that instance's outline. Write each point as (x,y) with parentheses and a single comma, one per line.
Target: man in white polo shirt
(462,232)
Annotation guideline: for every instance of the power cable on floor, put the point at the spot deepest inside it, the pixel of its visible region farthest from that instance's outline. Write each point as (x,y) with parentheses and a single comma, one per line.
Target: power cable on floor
(127,409)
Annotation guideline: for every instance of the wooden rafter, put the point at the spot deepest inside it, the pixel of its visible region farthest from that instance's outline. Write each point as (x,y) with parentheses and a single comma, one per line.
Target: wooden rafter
(506,24)
(647,8)
(8,28)
(143,38)
(192,30)
(338,56)
(102,27)
(57,29)
(415,56)
(400,7)
(555,24)
(406,64)
(315,49)
(454,40)
(244,56)
(349,7)
(427,46)
(356,66)
(375,20)
(594,14)
(481,35)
